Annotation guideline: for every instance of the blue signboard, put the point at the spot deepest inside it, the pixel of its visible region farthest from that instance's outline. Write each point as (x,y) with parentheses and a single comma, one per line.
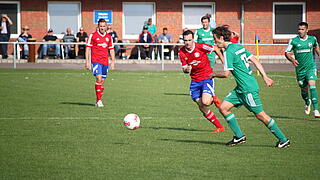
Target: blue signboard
(107,15)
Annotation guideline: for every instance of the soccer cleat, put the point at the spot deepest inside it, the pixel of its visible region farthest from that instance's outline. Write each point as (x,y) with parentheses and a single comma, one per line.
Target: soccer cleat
(218,130)
(307,108)
(99,104)
(316,113)
(216,101)
(283,144)
(236,141)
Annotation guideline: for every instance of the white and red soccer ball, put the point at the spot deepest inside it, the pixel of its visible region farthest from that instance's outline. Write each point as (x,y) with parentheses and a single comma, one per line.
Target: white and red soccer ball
(131,121)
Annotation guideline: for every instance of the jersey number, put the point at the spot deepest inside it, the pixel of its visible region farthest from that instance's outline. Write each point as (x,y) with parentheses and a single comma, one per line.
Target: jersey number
(244,59)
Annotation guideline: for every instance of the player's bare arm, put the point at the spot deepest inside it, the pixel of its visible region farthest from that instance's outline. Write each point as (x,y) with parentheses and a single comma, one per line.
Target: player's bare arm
(87,65)
(317,49)
(113,59)
(223,74)
(291,59)
(268,81)
(186,69)
(219,54)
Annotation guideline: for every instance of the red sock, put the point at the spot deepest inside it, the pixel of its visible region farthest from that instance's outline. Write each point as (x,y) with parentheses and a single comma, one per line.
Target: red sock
(99,90)
(213,119)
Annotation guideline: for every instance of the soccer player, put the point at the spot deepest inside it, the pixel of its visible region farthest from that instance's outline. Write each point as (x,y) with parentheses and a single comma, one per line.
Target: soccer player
(195,61)
(247,90)
(204,35)
(99,42)
(306,71)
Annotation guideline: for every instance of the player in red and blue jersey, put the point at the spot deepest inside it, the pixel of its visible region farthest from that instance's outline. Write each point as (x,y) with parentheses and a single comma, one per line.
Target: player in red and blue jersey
(99,43)
(194,59)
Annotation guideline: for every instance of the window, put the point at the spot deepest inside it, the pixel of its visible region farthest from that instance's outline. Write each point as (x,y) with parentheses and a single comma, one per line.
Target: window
(12,9)
(286,17)
(193,11)
(135,16)
(62,15)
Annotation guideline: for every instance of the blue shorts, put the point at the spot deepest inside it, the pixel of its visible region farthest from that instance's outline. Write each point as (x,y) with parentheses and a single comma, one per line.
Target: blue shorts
(100,69)
(197,88)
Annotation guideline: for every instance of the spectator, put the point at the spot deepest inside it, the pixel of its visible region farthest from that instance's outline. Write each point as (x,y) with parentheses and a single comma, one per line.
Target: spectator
(151,27)
(114,38)
(145,37)
(51,38)
(5,34)
(68,37)
(82,36)
(23,37)
(165,38)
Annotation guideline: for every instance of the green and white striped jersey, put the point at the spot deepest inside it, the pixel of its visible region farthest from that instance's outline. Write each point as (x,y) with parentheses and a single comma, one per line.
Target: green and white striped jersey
(204,36)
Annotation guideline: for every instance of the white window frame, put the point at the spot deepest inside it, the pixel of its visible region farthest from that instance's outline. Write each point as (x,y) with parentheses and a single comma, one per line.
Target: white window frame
(286,36)
(60,36)
(190,26)
(18,17)
(124,36)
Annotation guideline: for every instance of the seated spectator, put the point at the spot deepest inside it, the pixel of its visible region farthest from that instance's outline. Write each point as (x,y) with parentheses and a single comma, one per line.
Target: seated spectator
(145,37)
(23,37)
(68,37)
(151,27)
(82,36)
(51,38)
(165,38)
(114,38)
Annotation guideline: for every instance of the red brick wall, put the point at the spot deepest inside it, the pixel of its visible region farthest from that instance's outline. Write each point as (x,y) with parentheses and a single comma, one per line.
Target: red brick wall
(258,17)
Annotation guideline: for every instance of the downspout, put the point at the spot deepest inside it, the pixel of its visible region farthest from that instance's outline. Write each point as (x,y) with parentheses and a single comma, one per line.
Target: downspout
(242,22)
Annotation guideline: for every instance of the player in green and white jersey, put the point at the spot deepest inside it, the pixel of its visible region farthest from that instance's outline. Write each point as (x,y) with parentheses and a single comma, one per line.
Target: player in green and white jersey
(306,71)
(204,35)
(247,90)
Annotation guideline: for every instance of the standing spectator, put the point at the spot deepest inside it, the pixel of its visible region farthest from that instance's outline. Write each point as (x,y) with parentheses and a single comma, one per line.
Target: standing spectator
(68,37)
(82,36)
(5,34)
(51,38)
(165,38)
(146,37)
(114,38)
(151,27)
(23,37)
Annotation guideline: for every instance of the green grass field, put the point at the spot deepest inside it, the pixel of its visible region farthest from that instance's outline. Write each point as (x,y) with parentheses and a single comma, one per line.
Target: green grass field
(50,129)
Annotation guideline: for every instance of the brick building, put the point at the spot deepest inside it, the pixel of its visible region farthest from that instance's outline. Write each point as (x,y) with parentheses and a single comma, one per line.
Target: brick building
(274,21)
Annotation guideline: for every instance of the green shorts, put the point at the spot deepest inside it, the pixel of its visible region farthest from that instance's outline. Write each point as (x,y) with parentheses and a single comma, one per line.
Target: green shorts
(305,77)
(211,58)
(250,100)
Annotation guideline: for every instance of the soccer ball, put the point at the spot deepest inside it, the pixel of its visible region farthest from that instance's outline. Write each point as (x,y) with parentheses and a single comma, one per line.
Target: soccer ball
(131,121)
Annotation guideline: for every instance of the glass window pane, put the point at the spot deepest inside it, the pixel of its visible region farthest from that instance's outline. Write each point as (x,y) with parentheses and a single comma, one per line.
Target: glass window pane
(64,15)
(12,11)
(193,13)
(135,16)
(287,17)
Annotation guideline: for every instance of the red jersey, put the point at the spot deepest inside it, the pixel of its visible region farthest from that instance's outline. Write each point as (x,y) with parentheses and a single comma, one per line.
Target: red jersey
(234,39)
(100,44)
(198,60)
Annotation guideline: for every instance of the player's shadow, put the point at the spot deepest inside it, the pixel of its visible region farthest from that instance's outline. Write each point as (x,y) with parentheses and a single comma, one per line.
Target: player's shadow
(176,94)
(176,129)
(289,118)
(194,141)
(78,103)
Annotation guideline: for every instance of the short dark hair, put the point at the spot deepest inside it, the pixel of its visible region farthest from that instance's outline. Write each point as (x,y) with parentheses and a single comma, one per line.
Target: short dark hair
(205,17)
(165,28)
(222,31)
(303,24)
(187,32)
(101,21)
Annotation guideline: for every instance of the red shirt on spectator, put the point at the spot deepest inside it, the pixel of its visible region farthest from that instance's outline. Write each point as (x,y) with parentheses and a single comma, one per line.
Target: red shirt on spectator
(198,60)
(99,44)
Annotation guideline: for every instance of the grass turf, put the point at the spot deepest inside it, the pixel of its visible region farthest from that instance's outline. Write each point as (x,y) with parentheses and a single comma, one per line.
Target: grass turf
(50,129)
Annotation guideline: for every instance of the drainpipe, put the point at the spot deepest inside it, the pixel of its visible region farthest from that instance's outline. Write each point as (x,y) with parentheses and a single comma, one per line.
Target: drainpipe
(242,22)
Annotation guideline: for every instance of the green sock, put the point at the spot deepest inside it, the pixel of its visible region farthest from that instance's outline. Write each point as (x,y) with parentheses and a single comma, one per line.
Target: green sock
(231,119)
(314,97)
(305,96)
(272,125)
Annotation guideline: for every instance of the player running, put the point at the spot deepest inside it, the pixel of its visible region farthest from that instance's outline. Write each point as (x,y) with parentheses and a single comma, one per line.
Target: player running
(204,35)
(306,71)
(247,90)
(195,61)
(99,42)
